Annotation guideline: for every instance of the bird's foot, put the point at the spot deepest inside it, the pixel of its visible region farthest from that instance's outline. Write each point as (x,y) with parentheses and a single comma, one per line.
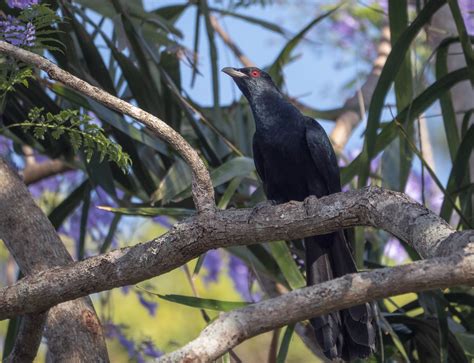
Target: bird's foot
(259,206)
(308,204)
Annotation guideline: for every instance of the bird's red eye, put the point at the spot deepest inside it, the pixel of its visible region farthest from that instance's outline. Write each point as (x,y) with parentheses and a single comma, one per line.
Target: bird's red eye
(255,73)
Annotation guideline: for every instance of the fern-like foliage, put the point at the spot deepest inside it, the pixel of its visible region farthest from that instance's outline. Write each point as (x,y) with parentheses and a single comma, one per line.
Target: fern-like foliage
(44,21)
(10,77)
(82,133)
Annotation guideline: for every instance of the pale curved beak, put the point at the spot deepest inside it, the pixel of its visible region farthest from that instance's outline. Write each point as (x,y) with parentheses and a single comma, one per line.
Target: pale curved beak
(233,72)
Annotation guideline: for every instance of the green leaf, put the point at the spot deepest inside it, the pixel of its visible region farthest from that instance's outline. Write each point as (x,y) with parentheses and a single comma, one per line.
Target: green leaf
(150,211)
(417,106)
(197,302)
(213,56)
(398,16)
(433,175)
(208,147)
(81,245)
(386,327)
(467,342)
(260,260)
(68,205)
(425,336)
(110,235)
(236,167)
(95,63)
(434,304)
(229,193)
(445,100)
(176,180)
(282,255)
(252,20)
(459,173)
(465,121)
(387,76)
(199,263)
(464,37)
(11,335)
(197,33)
(275,70)
(285,344)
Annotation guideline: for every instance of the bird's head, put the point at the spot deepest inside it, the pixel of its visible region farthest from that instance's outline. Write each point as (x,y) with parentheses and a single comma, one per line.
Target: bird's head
(252,81)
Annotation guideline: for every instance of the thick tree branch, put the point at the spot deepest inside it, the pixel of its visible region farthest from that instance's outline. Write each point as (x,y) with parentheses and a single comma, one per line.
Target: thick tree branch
(28,339)
(35,172)
(236,326)
(388,210)
(35,245)
(203,192)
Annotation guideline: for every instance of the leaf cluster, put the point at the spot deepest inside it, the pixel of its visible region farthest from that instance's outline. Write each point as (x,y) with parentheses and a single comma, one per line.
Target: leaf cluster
(83,134)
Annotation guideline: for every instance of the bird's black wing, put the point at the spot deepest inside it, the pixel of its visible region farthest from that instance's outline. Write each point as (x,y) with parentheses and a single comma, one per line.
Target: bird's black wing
(258,160)
(349,333)
(323,155)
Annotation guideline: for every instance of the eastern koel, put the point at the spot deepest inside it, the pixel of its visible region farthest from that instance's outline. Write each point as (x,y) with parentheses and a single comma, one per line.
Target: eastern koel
(294,159)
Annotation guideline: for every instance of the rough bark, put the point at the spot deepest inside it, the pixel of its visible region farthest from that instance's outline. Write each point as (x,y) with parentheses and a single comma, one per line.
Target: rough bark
(203,192)
(28,339)
(73,330)
(388,210)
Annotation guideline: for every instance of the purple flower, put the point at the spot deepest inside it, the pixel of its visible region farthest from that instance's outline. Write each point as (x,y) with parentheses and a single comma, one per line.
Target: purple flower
(467,11)
(98,221)
(116,331)
(164,221)
(394,250)
(240,275)
(414,189)
(21,4)
(55,183)
(134,351)
(149,305)
(150,350)
(17,33)
(346,26)
(6,146)
(213,264)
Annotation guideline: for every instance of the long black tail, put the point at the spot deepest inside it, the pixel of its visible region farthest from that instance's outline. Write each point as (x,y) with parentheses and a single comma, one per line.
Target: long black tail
(345,334)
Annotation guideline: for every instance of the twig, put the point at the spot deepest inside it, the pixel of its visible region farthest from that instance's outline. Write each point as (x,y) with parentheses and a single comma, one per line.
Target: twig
(203,192)
(230,43)
(35,172)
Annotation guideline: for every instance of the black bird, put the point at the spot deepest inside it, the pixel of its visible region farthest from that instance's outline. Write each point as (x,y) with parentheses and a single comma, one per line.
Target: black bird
(294,159)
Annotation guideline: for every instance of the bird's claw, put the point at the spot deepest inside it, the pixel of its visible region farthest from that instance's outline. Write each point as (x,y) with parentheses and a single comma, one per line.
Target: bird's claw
(259,206)
(307,204)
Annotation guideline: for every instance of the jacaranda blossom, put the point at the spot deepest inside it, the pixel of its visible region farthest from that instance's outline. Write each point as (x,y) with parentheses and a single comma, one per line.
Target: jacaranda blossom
(467,11)
(17,33)
(21,4)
